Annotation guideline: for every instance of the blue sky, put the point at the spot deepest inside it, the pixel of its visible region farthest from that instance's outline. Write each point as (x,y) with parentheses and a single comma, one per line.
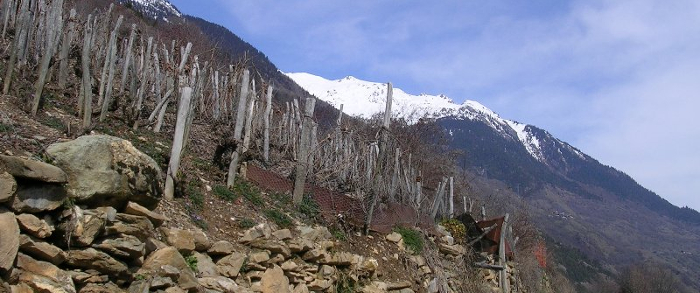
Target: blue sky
(619,80)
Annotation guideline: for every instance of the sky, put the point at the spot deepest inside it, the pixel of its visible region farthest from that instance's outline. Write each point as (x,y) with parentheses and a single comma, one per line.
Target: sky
(620,80)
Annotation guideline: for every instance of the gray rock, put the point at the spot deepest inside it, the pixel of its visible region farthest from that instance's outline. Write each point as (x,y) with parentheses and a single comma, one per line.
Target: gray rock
(137,226)
(126,247)
(201,241)
(30,169)
(274,281)
(220,248)
(283,234)
(168,262)
(316,234)
(259,231)
(205,266)
(230,266)
(34,226)
(181,239)
(38,198)
(108,287)
(41,250)
(91,258)
(108,171)
(273,246)
(9,242)
(218,284)
(139,210)
(8,186)
(43,276)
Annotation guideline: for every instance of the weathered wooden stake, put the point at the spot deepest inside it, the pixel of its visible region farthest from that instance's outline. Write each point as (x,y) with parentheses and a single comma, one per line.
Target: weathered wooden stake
(112,56)
(55,22)
(304,144)
(238,128)
(503,277)
(451,211)
(382,155)
(266,117)
(87,81)
(65,48)
(178,141)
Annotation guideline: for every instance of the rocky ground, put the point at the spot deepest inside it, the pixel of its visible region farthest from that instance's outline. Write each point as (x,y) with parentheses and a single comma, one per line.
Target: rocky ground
(93,221)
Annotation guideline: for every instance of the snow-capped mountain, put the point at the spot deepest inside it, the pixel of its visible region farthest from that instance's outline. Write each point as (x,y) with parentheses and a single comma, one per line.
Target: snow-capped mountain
(155,9)
(364,99)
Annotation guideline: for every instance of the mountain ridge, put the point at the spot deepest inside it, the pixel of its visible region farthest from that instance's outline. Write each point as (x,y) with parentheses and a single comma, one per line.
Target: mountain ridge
(605,207)
(364,99)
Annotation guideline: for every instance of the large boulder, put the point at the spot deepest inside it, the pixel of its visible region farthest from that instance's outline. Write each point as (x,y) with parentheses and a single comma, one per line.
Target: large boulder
(9,241)
(108,171)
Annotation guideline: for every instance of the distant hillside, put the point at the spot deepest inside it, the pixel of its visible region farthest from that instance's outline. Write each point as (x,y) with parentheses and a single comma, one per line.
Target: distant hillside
(285,88)
(609,216)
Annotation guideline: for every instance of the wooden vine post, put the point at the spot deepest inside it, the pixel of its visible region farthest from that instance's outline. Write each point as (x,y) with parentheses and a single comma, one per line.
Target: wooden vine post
(65,48)
(106,97)
(54,20)
(238,128)
(183,112)
(503,276)
(304,145)
(381,157)
(266,117)
(452,198)
(86,105)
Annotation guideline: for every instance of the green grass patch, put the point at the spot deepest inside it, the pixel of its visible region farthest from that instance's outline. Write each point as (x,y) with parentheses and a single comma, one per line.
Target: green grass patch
(224,193)
(281,199)
(246,223)
(280,218)
(5,127)
(411,238)
(309,207)
(191,261)
(195,196)
(249,192)
(339,234)
(55,123)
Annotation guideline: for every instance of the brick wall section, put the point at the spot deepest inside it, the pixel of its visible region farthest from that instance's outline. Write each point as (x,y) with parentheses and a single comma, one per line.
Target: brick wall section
(332,204)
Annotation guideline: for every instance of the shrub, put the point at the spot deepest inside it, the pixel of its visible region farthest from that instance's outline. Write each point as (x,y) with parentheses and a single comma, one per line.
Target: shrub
(411,238)
(456,228)
(191,261)
(345,284)
(280,218)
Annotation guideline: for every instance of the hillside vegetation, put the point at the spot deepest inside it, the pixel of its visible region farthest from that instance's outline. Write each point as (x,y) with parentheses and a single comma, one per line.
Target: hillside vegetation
(203,115)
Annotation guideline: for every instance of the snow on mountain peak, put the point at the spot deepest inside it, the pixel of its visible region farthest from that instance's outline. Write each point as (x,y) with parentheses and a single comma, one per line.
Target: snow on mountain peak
(364,99)
(156,9)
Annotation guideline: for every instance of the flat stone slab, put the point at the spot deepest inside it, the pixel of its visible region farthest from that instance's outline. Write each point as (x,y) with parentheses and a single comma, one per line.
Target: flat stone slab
(30,169)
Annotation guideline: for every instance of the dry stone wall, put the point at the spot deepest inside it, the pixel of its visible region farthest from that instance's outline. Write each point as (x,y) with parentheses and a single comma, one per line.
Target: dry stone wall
(54,239)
